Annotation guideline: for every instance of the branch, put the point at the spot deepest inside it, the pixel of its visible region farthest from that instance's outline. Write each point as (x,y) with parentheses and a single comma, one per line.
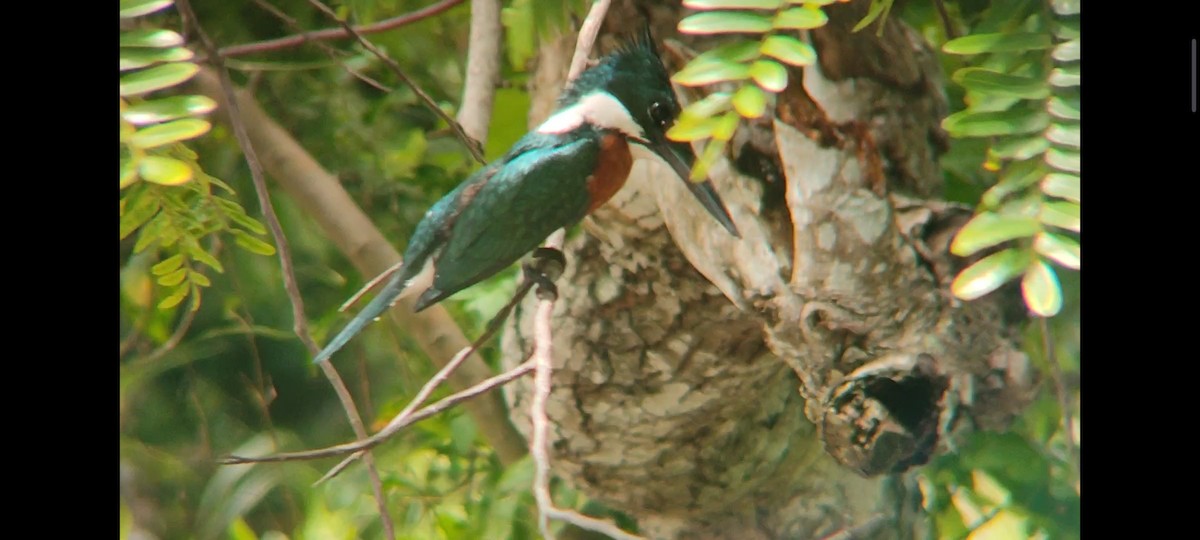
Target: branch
(338,33)
(543,345)
(300,322)
(321,196)
(1064,401)
(472,145)
(483,69)
(329,51)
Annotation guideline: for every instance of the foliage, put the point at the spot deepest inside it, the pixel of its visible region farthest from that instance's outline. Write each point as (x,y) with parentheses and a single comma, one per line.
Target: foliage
(175,208)
(1023,93)
(773,25)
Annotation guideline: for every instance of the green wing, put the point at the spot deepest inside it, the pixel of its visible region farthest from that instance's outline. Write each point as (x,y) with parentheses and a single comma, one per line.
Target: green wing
(535,193)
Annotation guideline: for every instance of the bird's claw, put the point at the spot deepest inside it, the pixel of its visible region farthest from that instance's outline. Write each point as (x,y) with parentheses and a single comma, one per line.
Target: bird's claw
(547,265)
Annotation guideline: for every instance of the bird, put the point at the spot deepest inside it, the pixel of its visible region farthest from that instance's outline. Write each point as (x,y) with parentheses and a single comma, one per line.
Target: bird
(615,112)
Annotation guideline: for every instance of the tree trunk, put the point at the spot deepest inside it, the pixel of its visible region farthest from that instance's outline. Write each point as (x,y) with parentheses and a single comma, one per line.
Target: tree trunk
(782,385)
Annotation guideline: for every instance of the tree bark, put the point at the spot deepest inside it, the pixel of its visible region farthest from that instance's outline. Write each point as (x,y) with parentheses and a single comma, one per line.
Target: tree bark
(783,385)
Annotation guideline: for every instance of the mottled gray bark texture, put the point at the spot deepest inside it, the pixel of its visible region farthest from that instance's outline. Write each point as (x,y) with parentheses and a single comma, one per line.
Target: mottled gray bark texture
(785,384)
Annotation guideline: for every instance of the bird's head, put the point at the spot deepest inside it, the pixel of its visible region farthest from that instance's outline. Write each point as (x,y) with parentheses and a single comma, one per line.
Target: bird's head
(630,90)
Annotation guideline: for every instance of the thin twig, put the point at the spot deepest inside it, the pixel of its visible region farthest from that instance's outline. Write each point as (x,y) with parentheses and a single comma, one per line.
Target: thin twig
(329,51)
(184,324)
(443,374)
(329,34)
(543,346)
(299,321)
(946,21)
(363,444)
(472,145)
(1064,400)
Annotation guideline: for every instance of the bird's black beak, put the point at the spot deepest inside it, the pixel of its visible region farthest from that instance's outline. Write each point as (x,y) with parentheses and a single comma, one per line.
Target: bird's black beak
(681,158)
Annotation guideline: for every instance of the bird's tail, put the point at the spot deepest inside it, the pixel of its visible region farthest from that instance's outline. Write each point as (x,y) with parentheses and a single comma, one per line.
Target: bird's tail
(382,301)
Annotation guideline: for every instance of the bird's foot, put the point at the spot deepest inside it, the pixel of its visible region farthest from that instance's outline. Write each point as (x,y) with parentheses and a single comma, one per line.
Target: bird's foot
(547,265)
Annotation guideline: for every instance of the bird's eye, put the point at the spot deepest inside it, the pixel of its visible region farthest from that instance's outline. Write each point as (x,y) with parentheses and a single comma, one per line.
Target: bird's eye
(660,114)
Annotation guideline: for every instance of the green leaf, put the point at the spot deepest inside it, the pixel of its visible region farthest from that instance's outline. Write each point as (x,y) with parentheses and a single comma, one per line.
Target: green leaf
(1041,290)
(710,155)
(1066,52)
(1062,214)
(988,229)
(171,108)
(150,232)
(997,42)
(1000,84)
(1017,177)
(173,278)
(1020,148)
(739,51)
(1061,249)
(150,37)
(139,58)
(712,105)
(725,22)
(726,126)
(1065,7)
(138,212)
(1061,185)
(988,124)
(750,101)
(879,8)
(789,49)
(199,255)
(692,128)
(989,273)
(137,8)
(1063,160)
(715,71)
(732,4)
(164,170)
(1067,29)
(167,265)
(801,18)
(174,298)
(199,279)
(171,132)
(157,78)
(1065,76)
(770,75)
(1062,107)
(238,215)
(1064,134)
(462,434)
(128,172)
(252,244)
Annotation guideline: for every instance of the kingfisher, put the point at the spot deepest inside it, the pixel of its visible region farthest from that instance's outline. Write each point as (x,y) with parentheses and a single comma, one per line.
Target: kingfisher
(617,111)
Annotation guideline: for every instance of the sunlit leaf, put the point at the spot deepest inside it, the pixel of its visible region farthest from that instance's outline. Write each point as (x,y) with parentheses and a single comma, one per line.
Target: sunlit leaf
(739,51)
(1065,76)
(1067,52)
(732,4)
(1058,248)
(252,244)
(789,49)
(199,279)
(725,22)
(128,172)
(1065,7)
(157,78)
(989,488)
(750,101)
(698,74)
(712,105)
(173,278)
(1016,178)
(150,37)
(726,126)
(990,273)
(167,265)
(1062,107)
(988,229)
(707,158)
(1064,134)
(1067,28)
(997,42)
(170,108)
(138,213)
(800,18)
(137,8)
(879,8)
(1062,214)
(164,170)
(1000,84)
(178,130)
(987,124)
(692,128)
(199,255)
(139,58)
(1041,290)
(770,75)
(1063,160)
(1020,148)
(174,298)
(1061,185)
